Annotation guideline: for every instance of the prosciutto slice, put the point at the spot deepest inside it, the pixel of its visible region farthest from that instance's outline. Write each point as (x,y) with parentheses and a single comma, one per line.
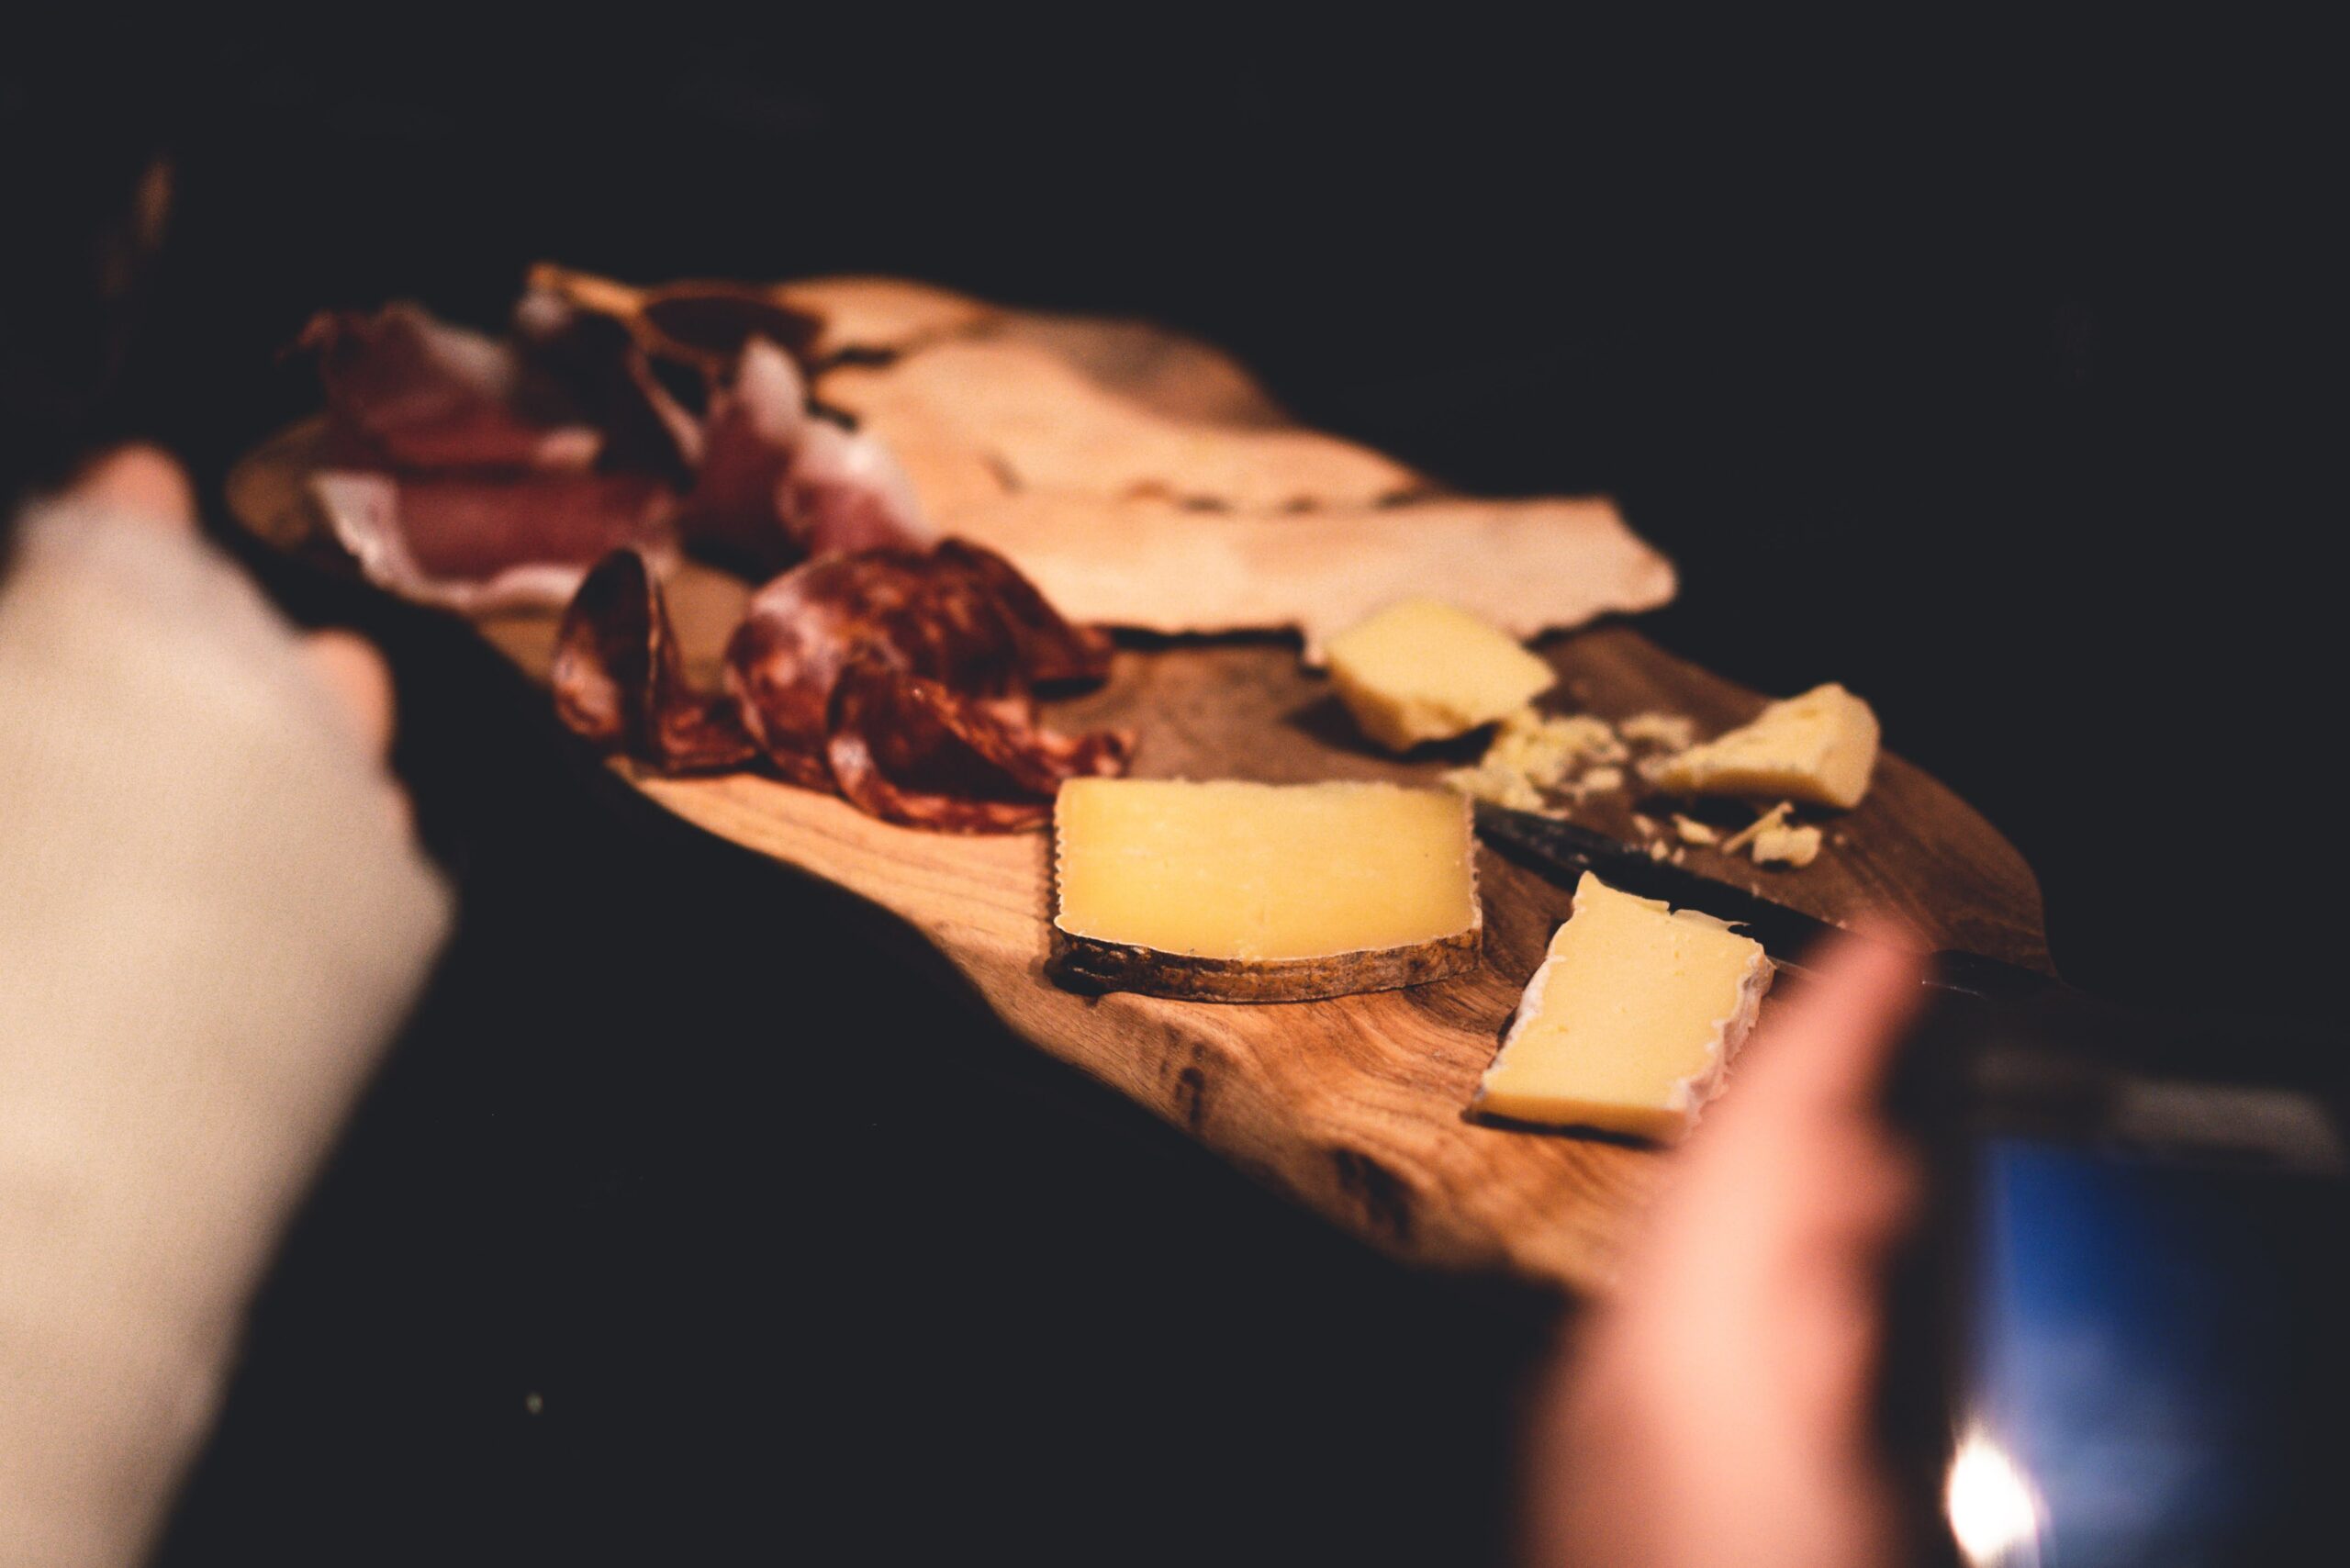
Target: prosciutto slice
(480,475)
(902,679)
(474,543)
(778,484)
(646,423)
(407,389)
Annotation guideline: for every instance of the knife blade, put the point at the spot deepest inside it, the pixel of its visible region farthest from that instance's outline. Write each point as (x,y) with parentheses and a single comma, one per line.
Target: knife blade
(1561,851)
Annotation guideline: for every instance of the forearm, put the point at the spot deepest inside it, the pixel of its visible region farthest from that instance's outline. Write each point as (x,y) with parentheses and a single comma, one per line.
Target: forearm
(210,922)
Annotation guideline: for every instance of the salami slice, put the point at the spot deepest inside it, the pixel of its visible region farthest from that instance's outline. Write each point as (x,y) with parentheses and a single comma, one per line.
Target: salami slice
(914,751)
(902,679)
(619,679)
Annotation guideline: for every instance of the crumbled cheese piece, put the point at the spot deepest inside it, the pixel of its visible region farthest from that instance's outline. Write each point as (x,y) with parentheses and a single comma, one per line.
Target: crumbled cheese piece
(1658,850)
(1647,825)
(1692,831)
(1531,753)
(1787,847)
(1776,817)
(1501,786)
(1547,749)
(1821,748)
(1676,731)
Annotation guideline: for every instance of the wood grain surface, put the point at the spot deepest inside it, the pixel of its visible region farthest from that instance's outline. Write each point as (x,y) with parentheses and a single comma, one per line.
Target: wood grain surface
(1353,1106)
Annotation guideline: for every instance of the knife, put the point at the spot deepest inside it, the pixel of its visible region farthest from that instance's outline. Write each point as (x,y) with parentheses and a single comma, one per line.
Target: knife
(1561,852)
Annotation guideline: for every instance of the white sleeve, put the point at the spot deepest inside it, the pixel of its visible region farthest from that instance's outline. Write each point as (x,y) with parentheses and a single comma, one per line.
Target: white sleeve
(212,920)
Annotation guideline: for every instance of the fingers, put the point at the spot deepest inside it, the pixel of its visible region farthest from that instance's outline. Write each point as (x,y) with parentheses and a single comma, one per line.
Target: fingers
(1721,1411)
(1823,1060)
(148,485)
(139,481)
(361,681)
(361,684)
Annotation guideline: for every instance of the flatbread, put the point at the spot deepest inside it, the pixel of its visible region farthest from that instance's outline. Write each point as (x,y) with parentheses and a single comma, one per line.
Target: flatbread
(1526,566)
(969,409)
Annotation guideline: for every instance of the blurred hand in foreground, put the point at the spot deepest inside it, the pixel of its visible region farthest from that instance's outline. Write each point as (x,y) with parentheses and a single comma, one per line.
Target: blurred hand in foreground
(148,485)
(1717,1411)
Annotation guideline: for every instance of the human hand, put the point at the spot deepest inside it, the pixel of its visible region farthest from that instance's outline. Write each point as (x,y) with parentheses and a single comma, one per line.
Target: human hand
(1716,1410)
(147,483)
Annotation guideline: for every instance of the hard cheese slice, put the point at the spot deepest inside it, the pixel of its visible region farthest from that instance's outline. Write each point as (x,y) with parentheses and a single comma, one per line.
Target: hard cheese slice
(1422,670)
(1820,746)
(1230,891)
(1631,1021)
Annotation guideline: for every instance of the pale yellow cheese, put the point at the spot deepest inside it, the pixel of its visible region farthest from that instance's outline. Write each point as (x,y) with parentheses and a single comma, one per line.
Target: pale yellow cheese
(1532,752)
(1547,747)
(1501,785)
(1773,820)
(1783,845)
(1422,670)
(1672,730)
(1630,1022)
(1241,891)
(1692,831)
(1820,746)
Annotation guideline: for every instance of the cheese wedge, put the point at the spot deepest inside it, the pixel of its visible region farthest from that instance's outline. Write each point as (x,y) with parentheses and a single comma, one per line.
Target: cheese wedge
(1422,670)
(1821,748)
(1630,1025)
(1230,891)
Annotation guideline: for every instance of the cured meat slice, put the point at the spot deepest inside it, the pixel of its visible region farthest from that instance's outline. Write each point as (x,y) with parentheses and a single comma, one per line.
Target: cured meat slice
(646,423)
(902,679)
(1052,649)
(845,490)
(478,475)
(410,390)
(619,679)
(778,484)
(474,543)
(958,615)
(913,750)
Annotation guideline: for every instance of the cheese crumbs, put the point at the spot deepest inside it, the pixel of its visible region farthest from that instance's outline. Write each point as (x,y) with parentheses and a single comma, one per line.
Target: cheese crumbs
(1787,847)
(1534,756)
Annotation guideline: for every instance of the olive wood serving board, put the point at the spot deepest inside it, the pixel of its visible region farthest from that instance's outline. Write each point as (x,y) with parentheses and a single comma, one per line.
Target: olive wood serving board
(1353,1106)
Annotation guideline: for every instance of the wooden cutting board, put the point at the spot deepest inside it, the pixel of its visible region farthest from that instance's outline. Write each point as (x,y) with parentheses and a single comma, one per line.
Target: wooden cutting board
(1352,1106)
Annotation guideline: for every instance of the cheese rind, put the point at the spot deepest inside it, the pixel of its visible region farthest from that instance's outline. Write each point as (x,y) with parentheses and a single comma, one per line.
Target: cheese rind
(1821,748)
(1236,892)
(1423,671)
(1629,1023)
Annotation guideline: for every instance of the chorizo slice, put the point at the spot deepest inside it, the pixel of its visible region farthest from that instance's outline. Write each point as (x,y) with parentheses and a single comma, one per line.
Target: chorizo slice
(912,751)
(619,678)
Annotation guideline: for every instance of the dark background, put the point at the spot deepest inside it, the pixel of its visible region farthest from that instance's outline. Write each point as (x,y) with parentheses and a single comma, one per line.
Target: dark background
(1994,373)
